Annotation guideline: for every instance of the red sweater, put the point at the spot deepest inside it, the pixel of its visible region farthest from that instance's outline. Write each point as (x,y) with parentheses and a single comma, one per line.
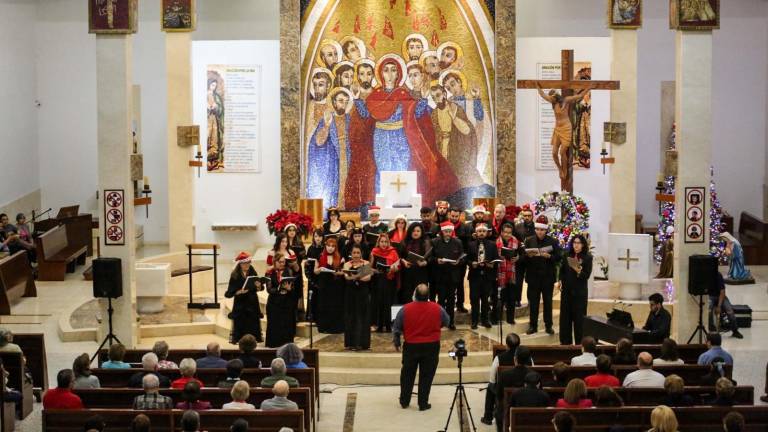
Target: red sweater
(181,382)
(583,403)
(600,379)
(421,322)
(58,398)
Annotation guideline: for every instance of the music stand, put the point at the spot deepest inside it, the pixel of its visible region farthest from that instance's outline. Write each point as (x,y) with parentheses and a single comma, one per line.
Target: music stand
(68,211)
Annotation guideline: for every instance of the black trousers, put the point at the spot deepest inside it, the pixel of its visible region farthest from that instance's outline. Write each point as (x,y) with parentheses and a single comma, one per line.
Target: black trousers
(490,401)
(480,290)
(573,308)
(460,286)
(447,286)
(424,357)
(540,288)
(507,302)
(517,291)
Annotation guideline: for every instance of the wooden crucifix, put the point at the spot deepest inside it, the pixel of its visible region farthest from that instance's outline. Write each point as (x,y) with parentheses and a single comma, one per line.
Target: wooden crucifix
(562,136)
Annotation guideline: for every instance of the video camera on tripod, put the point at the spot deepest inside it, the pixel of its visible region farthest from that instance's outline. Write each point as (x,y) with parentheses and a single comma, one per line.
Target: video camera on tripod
(459,350)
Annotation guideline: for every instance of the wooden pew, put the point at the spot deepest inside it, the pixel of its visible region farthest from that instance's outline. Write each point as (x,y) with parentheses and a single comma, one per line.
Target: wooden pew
(16,280)
(637,419)
(79,228)
(55,256)
(122,398)
(265,355)
(14,364)
(652,396)
(551,354)
(753,236)
(691,374)
(169,421)
(33,347)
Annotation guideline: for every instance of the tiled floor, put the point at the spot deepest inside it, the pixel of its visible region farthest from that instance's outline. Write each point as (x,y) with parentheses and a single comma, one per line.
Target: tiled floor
(374,404)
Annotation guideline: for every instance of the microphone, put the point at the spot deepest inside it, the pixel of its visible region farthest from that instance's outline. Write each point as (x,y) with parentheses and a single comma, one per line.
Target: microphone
(309,305)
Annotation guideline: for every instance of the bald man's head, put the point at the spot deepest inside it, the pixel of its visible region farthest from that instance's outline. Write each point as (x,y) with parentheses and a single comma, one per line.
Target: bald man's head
(644,360)
(213,349)
(422,292)
(281,388)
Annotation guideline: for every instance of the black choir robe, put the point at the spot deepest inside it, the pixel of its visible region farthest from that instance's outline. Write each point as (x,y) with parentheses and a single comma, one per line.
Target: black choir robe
(246,313)
(281,312)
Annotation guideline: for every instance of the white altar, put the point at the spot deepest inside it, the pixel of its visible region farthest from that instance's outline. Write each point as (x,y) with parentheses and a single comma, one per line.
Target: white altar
(629,263)
(398,195)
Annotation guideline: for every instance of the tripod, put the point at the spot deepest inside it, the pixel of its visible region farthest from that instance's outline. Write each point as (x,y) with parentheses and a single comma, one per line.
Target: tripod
(499,311)
(700,329)
(461,395)
(110,337)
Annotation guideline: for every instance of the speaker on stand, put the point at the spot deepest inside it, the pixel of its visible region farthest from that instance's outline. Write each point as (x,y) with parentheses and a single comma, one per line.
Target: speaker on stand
(702,276)
(108,284)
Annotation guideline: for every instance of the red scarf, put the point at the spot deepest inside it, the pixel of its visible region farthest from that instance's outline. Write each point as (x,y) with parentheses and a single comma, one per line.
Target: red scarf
(397,236)
(390,256)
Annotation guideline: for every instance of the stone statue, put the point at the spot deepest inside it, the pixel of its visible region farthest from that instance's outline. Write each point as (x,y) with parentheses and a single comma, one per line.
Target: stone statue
(737,271)
(562,135)
(666,269)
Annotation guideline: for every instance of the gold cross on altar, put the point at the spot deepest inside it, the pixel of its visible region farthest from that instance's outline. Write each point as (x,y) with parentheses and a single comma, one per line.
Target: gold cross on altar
(399,183)
(628,259)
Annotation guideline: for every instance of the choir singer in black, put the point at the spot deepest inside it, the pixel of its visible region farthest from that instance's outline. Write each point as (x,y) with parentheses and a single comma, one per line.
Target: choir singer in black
(246,313)
(541,255)
(482,256)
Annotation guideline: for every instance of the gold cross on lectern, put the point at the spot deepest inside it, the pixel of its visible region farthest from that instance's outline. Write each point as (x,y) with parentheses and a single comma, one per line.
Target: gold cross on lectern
(628,259)
(399,183)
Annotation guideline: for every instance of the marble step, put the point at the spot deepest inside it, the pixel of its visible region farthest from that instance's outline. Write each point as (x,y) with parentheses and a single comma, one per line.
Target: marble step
(447,373)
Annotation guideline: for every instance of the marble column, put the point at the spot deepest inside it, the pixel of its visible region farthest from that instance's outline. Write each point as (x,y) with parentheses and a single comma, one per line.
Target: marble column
(693,118)
(114,101)
(506,88)
(290,103)
(181,188)
(623,173)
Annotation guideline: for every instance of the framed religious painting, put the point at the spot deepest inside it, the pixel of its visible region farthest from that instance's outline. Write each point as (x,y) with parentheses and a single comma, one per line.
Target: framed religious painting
(625,14)
(112,16)
(694,14)
(178,15)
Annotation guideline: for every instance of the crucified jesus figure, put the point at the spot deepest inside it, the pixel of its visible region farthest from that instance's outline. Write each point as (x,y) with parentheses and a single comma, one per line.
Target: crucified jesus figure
(563,133)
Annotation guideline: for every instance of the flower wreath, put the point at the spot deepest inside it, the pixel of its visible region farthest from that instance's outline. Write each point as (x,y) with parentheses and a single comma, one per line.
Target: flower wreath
(573,214)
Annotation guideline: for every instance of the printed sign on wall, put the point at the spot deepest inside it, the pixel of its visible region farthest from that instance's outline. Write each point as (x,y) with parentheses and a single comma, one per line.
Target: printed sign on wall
(114,217)
(694,214)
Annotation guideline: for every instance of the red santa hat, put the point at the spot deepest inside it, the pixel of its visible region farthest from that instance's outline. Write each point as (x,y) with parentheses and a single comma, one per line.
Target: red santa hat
(446,226)
(289,225)
(478,209)
(481,226)
(542,222)
(243,257)
(374,210)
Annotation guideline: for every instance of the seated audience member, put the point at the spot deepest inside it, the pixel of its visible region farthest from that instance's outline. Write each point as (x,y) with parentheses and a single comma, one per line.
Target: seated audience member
(141,423)
(659,322)
(240,393)
(212,358)
(280,400)
(575,395)
(587,357)
(11,395)
(603,375)
(191,397)
(663,419)
(715,350)
(277,367)
(514,377)
(151,399)
(560,375)
(62,397)
(18,238)
(6,342)
(607,397)
(733,422)
(669,354)
(675,388)
(247,345)
(625,353)
(188,369)
(724,391)
(531,395)
(716,371)
(81,367)
(190,421)
(240,425)
(507,358)
(563,421)
(148,366)
(234,370)
(94,423)
(116,355)
(644,376)
(294,358)
(161,351)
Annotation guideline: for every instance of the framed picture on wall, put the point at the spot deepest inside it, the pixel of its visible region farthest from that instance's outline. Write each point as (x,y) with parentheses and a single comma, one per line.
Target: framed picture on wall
(112,16)
(694,14)
(178,16)
(625,14)
(695,199)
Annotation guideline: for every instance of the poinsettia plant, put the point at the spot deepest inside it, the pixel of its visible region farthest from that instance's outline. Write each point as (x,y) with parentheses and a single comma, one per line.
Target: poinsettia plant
(277,221)
(511,213)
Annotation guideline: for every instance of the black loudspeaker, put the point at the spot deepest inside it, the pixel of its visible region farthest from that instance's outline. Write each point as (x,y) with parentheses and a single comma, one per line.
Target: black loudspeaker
(107,278)
(702,274)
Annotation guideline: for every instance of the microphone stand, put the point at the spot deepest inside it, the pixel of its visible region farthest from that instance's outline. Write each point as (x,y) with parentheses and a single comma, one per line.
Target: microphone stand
(499,310)
(309,316)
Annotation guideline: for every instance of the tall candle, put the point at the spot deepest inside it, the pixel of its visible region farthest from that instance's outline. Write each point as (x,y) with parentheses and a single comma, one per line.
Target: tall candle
(146,181)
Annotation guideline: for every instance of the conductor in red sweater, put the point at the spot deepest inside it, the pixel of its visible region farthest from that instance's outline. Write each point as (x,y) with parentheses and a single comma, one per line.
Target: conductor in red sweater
(419,322)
